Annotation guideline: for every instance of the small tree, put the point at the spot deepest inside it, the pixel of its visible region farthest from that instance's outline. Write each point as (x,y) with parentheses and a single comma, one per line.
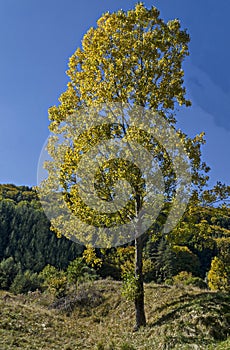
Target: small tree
(54,280)
(217,276)
(8,271)
(26,282)
(78,272)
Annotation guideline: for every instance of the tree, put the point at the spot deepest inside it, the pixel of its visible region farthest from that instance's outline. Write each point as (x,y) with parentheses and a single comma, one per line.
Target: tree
(25,282)
(8,271)
(218,278)
(132,60)
(54,280)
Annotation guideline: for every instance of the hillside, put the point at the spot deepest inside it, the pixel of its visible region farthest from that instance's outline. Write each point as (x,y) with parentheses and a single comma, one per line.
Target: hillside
(25,232)
(98,317)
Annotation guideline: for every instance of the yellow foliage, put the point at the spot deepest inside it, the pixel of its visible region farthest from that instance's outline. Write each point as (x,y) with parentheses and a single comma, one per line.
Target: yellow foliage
(217,276)
(90,257)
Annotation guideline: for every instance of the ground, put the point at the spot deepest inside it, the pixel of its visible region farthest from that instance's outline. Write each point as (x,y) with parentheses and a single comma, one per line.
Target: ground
(98,317)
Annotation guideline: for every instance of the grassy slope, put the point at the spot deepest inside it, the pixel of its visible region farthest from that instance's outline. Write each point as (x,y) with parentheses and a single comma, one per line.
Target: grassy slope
(178,318)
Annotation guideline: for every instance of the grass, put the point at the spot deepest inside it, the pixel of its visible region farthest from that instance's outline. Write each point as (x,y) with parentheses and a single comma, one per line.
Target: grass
(99,318)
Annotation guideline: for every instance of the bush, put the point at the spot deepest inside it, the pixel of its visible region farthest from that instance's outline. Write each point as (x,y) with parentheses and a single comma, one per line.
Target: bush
(26,282)
(187,279)
(54,280)
(78,272)
(86,296)
(130,286)
(8,271)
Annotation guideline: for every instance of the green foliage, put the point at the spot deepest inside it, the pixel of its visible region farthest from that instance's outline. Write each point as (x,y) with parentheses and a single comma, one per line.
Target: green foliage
(164,262)
(8,271)
(120,260)
(218,277)
(75,270)
(187,279)
(129,286)
(25,282)
(54,280)
(25,232)
(186,260)
(78,272)
(126,346)
(202,234)
(223,248)
(18,193)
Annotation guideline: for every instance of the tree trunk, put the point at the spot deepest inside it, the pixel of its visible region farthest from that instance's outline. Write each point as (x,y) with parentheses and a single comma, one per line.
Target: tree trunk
(139,299)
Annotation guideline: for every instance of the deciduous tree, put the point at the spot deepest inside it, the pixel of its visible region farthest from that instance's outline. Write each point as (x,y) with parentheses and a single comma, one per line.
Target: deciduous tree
(132,59)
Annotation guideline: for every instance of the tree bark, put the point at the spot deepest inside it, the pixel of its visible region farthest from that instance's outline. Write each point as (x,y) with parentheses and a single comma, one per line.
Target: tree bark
(139,299)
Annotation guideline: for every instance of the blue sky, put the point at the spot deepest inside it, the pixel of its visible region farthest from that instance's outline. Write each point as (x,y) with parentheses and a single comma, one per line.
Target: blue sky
(38,37)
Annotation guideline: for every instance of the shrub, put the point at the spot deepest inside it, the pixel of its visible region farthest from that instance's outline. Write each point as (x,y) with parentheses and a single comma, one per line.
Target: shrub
(54,280)
(26,282)
(8,271)
(78,272)
(129,287)
(187,279)
(86,296)
(218,276)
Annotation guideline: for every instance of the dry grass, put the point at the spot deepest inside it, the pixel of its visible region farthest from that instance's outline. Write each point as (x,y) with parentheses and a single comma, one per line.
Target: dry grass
(178,318)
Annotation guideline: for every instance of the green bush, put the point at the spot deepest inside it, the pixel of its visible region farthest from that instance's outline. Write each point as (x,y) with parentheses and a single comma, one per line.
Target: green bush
(187,279)
(54,280)
(8,271)
(129,287)
(26,282)
(169,281)
(78,272)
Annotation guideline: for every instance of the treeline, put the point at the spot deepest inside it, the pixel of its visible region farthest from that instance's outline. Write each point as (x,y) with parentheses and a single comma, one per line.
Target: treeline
(196,252)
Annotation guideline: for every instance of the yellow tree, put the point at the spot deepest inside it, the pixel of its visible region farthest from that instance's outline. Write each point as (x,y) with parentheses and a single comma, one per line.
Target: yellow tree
(129,67)
(218,278)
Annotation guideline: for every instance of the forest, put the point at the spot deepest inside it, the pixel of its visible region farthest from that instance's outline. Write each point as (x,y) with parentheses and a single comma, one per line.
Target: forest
(50,284)
(197,252)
